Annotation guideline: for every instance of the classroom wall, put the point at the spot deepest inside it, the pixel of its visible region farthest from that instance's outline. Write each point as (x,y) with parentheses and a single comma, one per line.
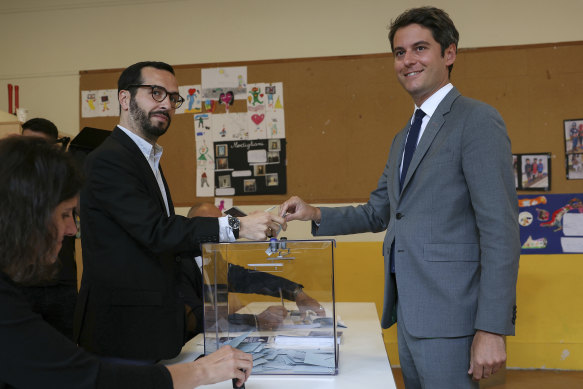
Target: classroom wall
(46,43)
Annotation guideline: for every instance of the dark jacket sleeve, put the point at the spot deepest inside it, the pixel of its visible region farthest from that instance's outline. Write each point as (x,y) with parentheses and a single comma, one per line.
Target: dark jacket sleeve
(34,354)
(242,280)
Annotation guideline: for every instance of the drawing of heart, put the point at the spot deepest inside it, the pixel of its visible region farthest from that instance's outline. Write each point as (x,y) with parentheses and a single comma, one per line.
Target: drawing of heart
(258,118)
(227,98)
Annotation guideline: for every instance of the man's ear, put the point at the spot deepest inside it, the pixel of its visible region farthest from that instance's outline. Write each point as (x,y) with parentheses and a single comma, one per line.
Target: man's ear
(124,97)
(450,54)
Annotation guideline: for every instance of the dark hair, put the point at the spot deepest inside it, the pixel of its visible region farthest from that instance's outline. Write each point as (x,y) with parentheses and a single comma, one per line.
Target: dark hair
(132,75)
(434,19)
(35,177)
(42,125)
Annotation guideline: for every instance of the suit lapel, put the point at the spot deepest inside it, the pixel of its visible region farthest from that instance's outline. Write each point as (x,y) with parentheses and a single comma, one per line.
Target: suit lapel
(435,124)
(138,156)
(397,160)
(170,204)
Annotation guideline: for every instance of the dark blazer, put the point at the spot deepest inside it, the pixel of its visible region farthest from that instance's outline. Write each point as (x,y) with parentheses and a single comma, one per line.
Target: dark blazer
(129,305)
(35,355)
(454,224)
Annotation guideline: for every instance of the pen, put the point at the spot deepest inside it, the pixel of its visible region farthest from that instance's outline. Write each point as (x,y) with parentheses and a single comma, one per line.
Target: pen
(281,296)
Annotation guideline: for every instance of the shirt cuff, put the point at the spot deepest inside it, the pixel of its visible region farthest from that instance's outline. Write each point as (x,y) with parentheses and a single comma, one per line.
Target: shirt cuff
(225,231)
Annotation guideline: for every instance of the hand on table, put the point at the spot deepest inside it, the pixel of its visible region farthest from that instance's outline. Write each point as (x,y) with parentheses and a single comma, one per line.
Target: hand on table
(223,364)
(272,317)
(306,302)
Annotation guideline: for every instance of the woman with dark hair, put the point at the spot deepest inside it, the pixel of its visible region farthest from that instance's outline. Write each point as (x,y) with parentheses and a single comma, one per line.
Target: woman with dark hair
(39,187)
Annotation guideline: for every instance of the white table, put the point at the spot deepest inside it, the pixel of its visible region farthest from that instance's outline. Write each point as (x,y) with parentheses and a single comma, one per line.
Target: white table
(363,360)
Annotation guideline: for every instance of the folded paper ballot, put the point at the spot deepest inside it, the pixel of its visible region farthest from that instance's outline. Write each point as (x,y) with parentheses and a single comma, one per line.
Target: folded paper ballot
(315,339)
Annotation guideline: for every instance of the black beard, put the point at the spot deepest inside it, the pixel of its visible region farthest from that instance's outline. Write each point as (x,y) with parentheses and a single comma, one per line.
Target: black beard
(140,117)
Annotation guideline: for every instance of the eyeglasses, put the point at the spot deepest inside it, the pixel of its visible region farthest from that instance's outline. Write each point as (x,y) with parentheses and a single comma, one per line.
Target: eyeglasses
(159,93)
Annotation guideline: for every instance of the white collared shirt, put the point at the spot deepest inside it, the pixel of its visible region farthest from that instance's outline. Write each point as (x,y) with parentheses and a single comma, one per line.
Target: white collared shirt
(429,107)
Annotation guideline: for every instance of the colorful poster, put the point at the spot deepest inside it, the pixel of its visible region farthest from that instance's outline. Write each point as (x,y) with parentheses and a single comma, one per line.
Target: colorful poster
(551,223)
(96,103)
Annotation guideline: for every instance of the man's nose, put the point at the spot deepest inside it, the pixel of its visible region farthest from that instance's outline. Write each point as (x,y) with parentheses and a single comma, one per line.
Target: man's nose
(409,58)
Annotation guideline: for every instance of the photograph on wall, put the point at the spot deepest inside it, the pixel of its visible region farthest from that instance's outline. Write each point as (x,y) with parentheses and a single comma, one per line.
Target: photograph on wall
(574,148)
(533,171)
(551,223)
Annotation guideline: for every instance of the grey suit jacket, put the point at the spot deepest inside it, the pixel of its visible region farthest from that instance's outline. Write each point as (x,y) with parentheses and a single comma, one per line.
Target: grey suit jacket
(454,225)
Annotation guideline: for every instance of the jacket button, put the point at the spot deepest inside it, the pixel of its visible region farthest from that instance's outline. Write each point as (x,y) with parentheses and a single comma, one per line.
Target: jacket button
(178,259)
(399,216)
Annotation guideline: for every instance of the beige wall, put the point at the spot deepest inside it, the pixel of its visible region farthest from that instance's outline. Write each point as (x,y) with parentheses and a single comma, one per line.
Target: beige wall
(46,42)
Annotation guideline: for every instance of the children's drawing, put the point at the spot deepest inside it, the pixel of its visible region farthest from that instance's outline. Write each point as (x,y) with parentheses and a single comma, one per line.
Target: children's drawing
(192,99)
(205,182)
(228,99)
(256,109)
(229,126)
(274,93)
(96,103)
(202,124)
(204,154)
(275,123)
(222,80)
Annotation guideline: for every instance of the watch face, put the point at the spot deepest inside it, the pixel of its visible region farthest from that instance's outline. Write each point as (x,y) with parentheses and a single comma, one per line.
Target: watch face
(234,223)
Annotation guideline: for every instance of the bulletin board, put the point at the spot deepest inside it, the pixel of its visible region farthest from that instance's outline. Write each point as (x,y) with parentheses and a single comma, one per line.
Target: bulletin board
(342,113)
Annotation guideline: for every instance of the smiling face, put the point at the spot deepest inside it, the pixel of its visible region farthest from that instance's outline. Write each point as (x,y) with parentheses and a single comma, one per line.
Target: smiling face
(64,224)
(142,114)
(418,63)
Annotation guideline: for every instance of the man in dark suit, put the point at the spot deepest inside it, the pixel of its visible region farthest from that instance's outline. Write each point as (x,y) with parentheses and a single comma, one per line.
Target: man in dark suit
(448,202)
(129,307)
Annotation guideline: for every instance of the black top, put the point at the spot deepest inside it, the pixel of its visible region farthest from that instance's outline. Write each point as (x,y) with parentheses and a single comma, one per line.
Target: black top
(35,355)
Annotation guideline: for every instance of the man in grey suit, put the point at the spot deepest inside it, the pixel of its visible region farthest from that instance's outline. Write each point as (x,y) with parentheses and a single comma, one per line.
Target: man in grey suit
(448,202)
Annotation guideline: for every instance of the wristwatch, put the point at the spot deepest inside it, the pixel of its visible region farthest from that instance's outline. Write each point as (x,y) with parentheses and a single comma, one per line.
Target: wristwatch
(235,224)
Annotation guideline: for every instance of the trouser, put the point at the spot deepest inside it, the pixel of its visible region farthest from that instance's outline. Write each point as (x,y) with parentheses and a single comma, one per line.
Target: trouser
(434,363)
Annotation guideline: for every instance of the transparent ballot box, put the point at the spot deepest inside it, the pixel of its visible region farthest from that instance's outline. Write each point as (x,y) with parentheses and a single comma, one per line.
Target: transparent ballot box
(274,300)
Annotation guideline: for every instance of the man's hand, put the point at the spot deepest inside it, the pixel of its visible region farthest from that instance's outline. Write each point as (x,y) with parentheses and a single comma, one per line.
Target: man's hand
(223,364)
(260,225)
(487,356)
(305,303)
(271,318)
(296,209)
